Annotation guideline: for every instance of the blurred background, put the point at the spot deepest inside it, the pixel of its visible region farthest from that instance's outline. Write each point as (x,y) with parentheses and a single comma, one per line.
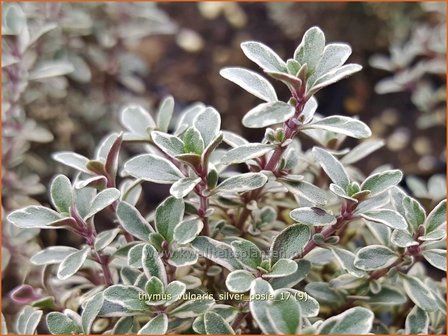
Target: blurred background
(68,69)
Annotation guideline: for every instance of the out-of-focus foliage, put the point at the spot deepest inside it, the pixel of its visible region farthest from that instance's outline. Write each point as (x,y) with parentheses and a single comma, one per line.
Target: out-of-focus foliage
(418,65)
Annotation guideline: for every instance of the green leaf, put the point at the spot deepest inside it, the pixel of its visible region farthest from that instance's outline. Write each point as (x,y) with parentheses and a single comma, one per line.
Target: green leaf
(154,286)
(323,292)
(183,256)
(334,76)
(417,322)
(132,221)
(436,257)
(150,167)
(184,186)
(341,125)
(436,218)
(168,215)
(312,216)
(258,307)
(13,19)
(157,326)
(128,297)
(102,201)
(193,142)
(137,120)
(152,263)
(60,324)
(52,255)
(263,56)
(168,143)
(176,290)
(414,213)
(380,182)
(374,257)
(165,113)
(193,308)
(61,193)
(73,160)
(125,325)
(242,183)
(306,190)
(90,311)
(34,217)
(239,281)
(402,238)
(208,123)
(247,253)
(135,254)
(282,268)
(347,261)
(361,151)
(233,139)
(105,238)
(303,268)
(419,293)
(251,82)
(387,296)
(187,230)
(290,242)
(72,263)
(387,217)
(32,322)
(218,252)
(310,48)
(356,320)
(216,325)
(332,167)
(334,56)
(245,152)
(284,313)
(268,114)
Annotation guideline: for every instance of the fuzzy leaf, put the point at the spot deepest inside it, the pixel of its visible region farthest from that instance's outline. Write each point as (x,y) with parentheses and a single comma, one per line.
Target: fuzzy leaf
(242,183)
(402,238)
(312,216)
(347,261)
(258,308)
(165,113)
(90,311)
(152,264)
(374,257)
(175,289)
(356,320)
(150,167)
(417,322)
(187,230)
(361,151)
(334,56)
(132,221)
(380,182)
(282,268)
(245,152)
(290,242)
(72,263)
(137,120)
(310,48)
(102,200)
(61,193)
(303,268)
(387,296)
(216,325)
(168,215)
(52,255)
(387,217)
(218,252)
(128,297)
(263,56)
(184,186)
(307,190)
(104,239)
(332,167)
(168,143)
(208,123)
(193,142)
(50,69)
(73,160)
(334,76)
(436,218)
(251,82)
(414,213)
(157,326)
(34,217)
(436,257)
(284,313)
(239,281)
(193,308)
(247,253)
(183,256)
(342,125)
(268,114)
(419,293)
(60,324)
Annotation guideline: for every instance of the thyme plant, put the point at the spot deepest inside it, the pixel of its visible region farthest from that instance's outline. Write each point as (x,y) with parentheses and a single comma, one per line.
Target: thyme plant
(266,237)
